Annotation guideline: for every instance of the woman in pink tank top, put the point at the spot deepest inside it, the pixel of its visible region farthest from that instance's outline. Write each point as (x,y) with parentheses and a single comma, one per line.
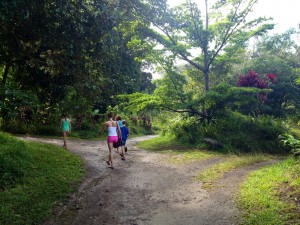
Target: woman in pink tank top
(114,132)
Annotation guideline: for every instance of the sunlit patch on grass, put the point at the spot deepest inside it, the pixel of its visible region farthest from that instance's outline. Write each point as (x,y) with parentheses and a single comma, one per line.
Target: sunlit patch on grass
(162,143)
(178,153)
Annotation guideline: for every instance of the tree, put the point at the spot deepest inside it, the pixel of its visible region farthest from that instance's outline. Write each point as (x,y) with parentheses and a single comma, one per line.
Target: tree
(66,52)
(277,54)
(181,30)
(146,83)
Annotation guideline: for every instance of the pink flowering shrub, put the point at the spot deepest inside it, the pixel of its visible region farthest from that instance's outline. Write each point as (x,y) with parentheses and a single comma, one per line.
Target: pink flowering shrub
(252,79)
(248,80)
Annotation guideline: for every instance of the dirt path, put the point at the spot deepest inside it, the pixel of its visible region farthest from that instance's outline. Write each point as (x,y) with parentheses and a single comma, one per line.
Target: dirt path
(146,190)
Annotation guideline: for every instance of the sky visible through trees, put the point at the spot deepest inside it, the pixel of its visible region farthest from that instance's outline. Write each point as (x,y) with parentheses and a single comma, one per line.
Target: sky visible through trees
(285,14)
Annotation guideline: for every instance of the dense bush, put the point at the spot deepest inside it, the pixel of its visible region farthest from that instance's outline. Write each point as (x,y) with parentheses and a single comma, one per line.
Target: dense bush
(184,129)
(248,134)
(47,130)
(237,132)
(15,127)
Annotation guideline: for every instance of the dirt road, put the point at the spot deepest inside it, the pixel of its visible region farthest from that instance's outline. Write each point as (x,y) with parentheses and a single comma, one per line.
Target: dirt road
(146,190)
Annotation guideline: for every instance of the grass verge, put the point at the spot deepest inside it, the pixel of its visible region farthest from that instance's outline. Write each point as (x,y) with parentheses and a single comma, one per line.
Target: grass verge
(188,156)
(162,143)
(41,175)
(209,175)
(272,195)
(179,153)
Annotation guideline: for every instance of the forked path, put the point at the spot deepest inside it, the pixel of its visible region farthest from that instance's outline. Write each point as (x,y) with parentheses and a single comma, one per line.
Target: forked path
(146,190)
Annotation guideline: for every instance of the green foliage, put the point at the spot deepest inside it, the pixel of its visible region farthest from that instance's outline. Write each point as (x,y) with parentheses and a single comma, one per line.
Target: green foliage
(17,104)
(277,54)
(297,81)
(249,134)
(138,130)
(45,129)
(17,127)
(183,128)
(70,55)
(267,196)
(138,102)
(35,178)
(239,133)
(183,28)
(290,141)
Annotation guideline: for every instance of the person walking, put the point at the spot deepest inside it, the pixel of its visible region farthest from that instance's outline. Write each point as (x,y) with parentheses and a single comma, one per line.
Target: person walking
(65,125)
(114,132)
(118,118)
(125,134)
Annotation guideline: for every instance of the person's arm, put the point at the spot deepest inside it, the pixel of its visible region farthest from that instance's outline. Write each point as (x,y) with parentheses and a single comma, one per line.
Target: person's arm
(103,128)
(119,131)
(70,126)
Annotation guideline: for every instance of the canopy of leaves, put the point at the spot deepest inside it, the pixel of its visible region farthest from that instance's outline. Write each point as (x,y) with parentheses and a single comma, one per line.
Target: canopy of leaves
(182,32)
(64,51)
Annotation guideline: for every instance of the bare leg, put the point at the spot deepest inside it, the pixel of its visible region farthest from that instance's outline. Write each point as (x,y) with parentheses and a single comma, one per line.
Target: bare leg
(65,137)
(111,154)
(123,152)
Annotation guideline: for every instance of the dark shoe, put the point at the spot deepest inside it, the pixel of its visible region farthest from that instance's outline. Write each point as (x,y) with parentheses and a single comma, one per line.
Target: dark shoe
(125,149)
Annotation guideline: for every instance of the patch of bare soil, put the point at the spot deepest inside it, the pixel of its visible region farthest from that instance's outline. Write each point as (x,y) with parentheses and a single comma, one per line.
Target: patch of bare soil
(291,196)
(146,190)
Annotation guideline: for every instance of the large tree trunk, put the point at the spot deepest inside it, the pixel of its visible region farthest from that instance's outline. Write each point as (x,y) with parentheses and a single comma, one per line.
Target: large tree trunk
(205,51)
(206,79)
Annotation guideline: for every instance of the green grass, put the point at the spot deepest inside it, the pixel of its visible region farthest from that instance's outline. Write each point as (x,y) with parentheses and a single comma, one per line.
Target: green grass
(188,156)
(270,196)
(179,153)
(162,143)
(45,175)
(216,171)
